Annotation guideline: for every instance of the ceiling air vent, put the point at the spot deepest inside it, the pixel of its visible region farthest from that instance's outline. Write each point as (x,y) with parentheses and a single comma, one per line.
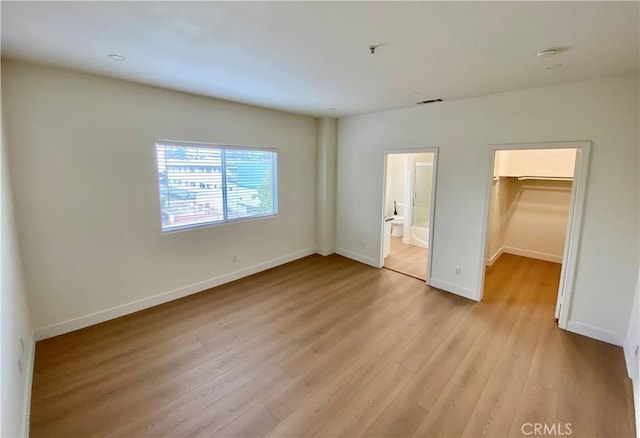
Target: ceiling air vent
(429,101)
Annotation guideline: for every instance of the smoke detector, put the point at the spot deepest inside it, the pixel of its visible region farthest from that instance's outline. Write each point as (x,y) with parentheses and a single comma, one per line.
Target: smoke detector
(374,47)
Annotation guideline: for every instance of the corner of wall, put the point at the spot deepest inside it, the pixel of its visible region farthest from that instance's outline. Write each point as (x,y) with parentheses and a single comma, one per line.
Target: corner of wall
(491,260)
(358,257)
(454,288)
(326,183)
(325,251)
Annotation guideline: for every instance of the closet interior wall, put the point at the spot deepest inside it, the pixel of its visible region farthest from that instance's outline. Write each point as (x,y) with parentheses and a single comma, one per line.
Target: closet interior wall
(530,202)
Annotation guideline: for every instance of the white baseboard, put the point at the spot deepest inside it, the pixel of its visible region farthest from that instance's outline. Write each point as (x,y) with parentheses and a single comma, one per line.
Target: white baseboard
(491,260)
(325,251)
(636,403)
(358,257)
(408,242)
(629,349)
(595,333)
(633,371)
(26,408)
(532,254)
(454,288)
(145,303)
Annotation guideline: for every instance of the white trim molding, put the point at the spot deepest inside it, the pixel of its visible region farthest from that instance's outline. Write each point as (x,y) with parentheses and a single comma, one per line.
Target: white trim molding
(325,251)
(595,332)
(165,297)
(629,349)
(454,288)
(26,409)
(524,253)
(358,257)
(491,260)
(532,254)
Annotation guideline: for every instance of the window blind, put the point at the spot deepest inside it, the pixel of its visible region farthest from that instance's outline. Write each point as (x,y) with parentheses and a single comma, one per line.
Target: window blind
(207,184)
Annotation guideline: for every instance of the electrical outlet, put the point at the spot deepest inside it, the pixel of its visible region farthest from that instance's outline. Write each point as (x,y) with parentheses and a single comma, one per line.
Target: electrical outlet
(234,258)
(458,271)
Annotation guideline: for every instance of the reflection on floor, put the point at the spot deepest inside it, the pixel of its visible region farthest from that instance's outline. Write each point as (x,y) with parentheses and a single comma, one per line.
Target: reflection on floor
(327,347)
(407,259)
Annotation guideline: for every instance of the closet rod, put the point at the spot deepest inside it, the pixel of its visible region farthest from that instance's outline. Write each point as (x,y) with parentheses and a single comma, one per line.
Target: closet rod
(546,178)
(545,189)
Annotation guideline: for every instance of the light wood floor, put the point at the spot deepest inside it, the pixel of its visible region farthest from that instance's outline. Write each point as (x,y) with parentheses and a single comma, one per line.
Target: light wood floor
(326,346)
(407,259)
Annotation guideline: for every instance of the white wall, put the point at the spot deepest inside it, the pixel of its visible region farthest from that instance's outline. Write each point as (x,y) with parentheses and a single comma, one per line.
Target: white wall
(499,214)
(399,168)
(81,152)
(604,111)
(15,379)
(537,219)
(536,162)
(396,183)
(529,217)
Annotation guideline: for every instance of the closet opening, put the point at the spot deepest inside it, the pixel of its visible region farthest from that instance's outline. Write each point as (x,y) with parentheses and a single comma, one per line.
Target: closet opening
(408,212)
(534,211)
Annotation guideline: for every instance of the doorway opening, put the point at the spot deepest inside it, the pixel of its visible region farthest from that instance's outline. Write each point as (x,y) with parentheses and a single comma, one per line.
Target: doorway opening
(534,211)
(408,204)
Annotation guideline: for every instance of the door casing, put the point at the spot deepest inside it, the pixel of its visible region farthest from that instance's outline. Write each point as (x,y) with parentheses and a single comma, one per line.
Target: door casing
(432,224)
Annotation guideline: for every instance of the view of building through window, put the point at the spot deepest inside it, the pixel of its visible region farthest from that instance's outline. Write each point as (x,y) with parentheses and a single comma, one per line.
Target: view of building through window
(201,184)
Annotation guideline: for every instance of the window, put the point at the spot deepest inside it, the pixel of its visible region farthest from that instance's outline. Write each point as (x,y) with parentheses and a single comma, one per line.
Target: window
(203,184)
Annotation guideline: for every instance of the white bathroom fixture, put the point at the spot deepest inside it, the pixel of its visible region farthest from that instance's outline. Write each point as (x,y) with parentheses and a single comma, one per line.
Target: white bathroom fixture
(397,226)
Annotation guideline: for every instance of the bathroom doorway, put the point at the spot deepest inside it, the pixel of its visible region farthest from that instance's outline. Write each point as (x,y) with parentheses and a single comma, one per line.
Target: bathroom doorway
(408,202)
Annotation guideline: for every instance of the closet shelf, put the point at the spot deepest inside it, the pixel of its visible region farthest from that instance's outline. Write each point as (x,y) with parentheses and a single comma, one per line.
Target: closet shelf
(540,178)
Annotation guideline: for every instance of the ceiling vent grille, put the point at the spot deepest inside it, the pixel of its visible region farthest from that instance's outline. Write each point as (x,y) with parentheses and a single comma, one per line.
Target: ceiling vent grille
(424,102)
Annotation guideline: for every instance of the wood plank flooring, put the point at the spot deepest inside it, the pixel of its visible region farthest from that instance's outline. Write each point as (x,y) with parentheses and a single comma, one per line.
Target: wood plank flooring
(325,347)
(407,259)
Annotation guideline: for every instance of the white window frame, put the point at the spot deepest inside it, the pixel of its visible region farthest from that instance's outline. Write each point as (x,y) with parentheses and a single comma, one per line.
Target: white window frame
(222,147)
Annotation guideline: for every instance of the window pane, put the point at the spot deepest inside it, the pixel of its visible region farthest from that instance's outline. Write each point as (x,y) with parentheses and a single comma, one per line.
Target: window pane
(250,183)
(201,185)
(190,180)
